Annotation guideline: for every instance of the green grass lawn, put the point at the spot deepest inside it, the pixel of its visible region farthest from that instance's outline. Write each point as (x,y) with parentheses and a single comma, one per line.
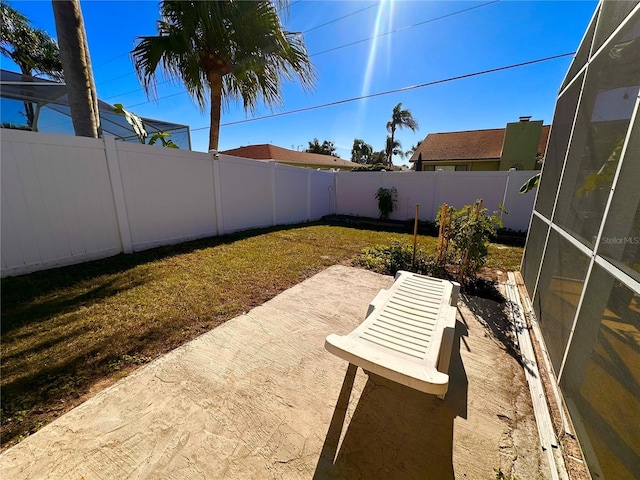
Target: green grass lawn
(69,332)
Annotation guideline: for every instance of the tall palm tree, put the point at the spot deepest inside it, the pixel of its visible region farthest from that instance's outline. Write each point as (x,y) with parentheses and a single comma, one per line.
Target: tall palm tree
(399,119)
(229,49)
(76,63)
(31,49)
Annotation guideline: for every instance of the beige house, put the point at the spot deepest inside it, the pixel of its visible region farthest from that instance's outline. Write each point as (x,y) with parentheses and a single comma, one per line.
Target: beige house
(290,157)
(520,145)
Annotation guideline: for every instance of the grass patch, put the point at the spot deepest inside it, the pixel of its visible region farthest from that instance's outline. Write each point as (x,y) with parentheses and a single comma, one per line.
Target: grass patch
(69,332)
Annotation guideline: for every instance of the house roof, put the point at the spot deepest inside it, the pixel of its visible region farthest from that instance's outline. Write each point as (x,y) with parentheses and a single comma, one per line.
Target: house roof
(468,145)
(271,152)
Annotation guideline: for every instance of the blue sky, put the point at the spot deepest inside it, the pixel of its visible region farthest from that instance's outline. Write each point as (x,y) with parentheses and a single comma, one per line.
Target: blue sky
(492,35)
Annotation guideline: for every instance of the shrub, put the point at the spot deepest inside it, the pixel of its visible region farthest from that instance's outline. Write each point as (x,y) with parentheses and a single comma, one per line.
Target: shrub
(388,259)
(387,201)
(470,234)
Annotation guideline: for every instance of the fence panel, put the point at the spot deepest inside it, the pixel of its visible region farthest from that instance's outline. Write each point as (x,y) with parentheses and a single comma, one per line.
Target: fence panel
(60,193)
(57,206)
(414,188)
(246,193)
(519,206)
(322,194)
(463,188)
(291,194)
(168,194)
(355,192)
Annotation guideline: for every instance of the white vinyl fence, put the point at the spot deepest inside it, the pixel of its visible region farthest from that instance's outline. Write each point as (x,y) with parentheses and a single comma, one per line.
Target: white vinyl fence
(69,199)
(355,193)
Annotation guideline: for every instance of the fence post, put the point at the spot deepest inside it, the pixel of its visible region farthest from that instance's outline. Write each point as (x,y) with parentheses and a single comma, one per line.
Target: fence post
(504,197)
(308,194)
(334,210)
(217,191)
(274,200)
(117,190)
(436,196)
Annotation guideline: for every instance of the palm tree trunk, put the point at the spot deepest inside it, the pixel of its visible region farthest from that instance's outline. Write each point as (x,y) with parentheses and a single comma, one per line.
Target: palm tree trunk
(215,84)
(28,106)
(76,64)
(393,134)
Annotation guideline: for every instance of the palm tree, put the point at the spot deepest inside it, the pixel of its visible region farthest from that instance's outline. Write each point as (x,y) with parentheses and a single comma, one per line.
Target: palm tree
(76,64)
(229,49)
(31,49)
(399,119)
(409,153)
(393,147)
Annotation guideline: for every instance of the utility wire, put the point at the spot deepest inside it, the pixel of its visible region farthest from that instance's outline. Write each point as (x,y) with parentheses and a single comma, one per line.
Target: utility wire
(127,53)
(406,27)
(353,43)
(306,31)
(397,90)
(340,18)
(138,90)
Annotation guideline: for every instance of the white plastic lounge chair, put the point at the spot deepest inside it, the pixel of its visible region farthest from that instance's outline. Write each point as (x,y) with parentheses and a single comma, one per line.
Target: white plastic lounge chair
(407,335)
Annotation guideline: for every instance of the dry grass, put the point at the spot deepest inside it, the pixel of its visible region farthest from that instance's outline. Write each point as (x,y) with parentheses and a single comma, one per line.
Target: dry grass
(69,332)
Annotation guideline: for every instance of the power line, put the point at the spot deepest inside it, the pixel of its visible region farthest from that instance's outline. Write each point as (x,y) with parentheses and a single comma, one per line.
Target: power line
(340,18)
(138,90)
(127,53)
(405,28)
(397,90)
(166,96)
(112,59)
(358,41)
(306,31)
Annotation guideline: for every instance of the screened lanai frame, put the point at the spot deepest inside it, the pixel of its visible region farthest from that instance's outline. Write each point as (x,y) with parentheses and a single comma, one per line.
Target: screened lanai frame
(47,95)
(574,268)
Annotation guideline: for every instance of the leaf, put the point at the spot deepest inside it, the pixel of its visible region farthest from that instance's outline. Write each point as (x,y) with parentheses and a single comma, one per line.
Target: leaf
(132,119)
(162,137)
(530,184)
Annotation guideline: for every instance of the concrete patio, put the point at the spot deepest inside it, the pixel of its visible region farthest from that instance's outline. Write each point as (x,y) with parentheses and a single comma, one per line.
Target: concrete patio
(259,397)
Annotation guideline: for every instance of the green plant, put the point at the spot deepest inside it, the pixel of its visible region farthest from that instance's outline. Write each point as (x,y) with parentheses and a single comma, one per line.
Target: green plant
(139,128)
(95,322)
(471,229)
(388,259)
(387,201)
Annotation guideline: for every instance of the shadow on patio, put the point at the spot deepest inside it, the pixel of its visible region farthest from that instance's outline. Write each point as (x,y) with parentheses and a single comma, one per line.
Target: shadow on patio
(395,431)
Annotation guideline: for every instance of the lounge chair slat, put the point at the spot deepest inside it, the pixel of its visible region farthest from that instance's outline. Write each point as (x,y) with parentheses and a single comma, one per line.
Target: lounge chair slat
(407,335)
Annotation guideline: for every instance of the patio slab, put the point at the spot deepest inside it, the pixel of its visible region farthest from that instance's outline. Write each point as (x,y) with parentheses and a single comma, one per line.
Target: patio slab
(259,397)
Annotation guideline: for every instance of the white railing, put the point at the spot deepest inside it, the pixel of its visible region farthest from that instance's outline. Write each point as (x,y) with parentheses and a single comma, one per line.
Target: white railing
(69,199)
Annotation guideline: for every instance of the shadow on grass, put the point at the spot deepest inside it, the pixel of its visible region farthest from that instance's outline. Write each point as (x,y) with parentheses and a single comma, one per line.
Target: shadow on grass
(20,295)
(20,306)
(31,400)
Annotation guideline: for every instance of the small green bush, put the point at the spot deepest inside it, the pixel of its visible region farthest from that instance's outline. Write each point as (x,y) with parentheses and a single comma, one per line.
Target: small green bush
(470,235)
(388,259)
(387,201)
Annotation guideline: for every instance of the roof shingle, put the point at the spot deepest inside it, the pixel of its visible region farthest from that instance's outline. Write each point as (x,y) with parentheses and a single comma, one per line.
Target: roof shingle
(267,151)
(469,145)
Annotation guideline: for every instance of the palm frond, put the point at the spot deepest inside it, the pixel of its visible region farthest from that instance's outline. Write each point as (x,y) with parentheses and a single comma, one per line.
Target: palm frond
(241,42)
